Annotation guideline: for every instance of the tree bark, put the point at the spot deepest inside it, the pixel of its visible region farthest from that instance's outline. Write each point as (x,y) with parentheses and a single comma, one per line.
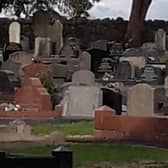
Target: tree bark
(136,22)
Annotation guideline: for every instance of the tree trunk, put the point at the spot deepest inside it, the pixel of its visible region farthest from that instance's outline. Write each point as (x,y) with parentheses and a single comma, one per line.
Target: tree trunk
(136,22)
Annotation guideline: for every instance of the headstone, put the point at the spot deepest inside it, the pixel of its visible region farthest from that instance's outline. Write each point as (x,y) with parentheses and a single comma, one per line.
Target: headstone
(139,62)
(149,75)
(85,61)
(124,71)
(115,49)
(12,66)
(166,85)
(56,36)
(10,48)
(25,43)
(160,40)
(40,23)
(5,84)
(144,100)
(81,101)
(14,32)
(42,47)
(83,77)
(67,52)
(134,52)
(112,98)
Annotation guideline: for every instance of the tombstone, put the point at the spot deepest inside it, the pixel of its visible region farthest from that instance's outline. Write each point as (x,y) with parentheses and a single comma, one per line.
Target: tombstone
(112,99)
(149,75)
(145,101)
(97,56)
(134,52)
(85,61)
(5,84)
(166,85)
(139,62)
(14,32)
(160,40)
(40,23)
(67,52)
(81,101)
(124,71)
(83,77)
(12,66)
(42,47)
(99,44)
(25,43)
(10,48)
(56,36)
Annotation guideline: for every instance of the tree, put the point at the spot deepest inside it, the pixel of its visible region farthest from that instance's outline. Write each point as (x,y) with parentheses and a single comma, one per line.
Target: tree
(70,7)
(136,21)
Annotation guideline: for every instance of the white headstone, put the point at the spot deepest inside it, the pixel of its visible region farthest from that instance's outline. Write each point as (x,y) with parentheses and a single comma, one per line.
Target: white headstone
(83,77)
(56,35)
(14,32)
(160,39)
(42,47)
(85,61)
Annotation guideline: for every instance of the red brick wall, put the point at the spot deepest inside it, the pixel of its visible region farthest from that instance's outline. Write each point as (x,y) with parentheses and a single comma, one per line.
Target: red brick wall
(34,100)
(113,127)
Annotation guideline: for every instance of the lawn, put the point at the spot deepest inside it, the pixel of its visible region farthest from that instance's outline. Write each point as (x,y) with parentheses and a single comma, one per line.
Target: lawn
(94,153)
(79,128)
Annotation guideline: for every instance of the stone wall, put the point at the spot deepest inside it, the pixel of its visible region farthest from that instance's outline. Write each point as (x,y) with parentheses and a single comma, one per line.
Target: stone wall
(88,30)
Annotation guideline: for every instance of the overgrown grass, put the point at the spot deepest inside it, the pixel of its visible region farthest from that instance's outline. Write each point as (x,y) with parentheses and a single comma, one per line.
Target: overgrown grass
(80,128)
(94,153)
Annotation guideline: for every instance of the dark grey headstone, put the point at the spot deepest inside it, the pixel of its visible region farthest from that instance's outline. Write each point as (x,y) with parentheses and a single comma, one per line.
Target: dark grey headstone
(124,70)
(5,83)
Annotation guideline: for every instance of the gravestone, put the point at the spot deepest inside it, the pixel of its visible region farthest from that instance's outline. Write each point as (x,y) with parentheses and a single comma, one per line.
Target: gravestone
(25,43)
(42,47)
(5,84)
(85,61)
(40,23)
(144,100)
(124,71)
(14,32)
(12,66)
(83,77)
(10,48)
(81,101)
(56,36)
(166,85)
(67,52)
(160,40)
(149,75)
(112,99)
(139,62)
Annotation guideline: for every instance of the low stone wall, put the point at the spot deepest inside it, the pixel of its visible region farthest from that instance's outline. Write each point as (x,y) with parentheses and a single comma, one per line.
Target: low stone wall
(109,126)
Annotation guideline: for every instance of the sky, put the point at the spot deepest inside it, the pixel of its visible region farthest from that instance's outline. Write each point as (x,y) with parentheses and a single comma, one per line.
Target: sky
(122,8)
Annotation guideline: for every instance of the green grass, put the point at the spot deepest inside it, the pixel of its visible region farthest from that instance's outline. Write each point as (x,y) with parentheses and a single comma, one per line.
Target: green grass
(94,153)
(80,128)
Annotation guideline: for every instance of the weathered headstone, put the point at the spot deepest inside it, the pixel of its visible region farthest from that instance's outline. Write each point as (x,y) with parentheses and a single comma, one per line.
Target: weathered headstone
(149,74)
(67,52)
(81,101)
(124,71)
(56,36)
(83,77)
(144,100)
(12,66)
(5,84)
(25,43)
(160,39)
(85,61)
(42,47)
(14,32)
